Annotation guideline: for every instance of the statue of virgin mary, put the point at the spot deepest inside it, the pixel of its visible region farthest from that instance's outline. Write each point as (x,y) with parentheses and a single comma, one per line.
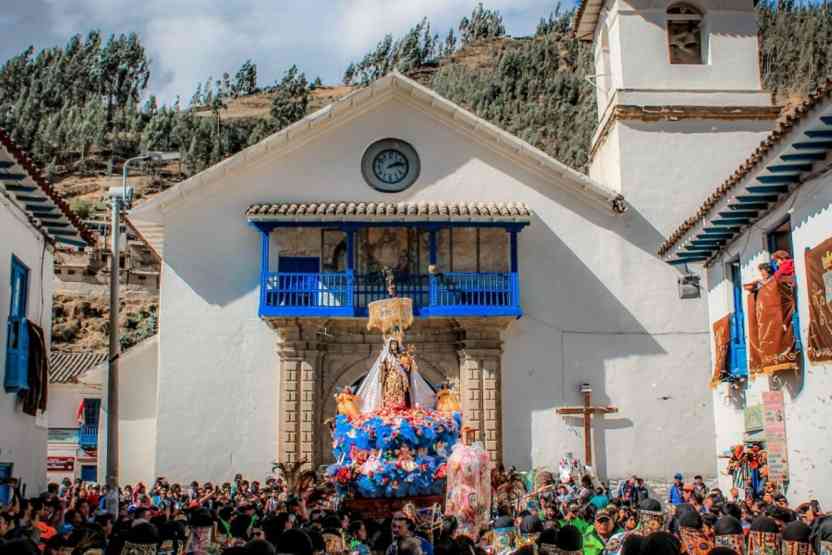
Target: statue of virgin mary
(394,381)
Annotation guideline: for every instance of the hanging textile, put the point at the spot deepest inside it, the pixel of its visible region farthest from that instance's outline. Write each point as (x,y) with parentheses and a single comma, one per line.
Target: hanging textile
(771,341)
(819,286)
(722,342)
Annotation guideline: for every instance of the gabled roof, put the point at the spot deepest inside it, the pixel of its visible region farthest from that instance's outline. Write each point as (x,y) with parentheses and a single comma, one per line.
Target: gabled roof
(66,367)
(515,212)
(775,169)
(24,184)
(148,218)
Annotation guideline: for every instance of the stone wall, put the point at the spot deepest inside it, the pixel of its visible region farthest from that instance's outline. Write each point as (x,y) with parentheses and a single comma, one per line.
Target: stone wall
(319,356)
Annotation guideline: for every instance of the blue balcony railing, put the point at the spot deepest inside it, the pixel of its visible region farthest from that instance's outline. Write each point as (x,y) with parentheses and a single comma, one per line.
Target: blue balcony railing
(347,294)
(88,436)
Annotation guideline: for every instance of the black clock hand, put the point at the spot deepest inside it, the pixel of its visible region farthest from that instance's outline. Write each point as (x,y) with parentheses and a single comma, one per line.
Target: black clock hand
(395,165)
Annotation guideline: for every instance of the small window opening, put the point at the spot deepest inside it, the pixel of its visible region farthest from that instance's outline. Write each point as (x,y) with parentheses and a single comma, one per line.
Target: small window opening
(684,34)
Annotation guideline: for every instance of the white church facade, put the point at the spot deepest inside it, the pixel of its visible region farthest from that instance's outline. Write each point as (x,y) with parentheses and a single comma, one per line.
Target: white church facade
(528,278)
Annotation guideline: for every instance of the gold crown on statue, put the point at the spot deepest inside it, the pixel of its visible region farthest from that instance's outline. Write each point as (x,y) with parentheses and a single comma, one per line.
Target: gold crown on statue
(826,260)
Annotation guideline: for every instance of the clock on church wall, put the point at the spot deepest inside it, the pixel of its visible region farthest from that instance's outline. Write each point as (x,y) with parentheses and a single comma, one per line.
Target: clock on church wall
(390,165)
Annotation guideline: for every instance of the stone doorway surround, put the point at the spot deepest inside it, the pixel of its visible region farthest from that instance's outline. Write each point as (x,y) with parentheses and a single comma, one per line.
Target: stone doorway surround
(317,356)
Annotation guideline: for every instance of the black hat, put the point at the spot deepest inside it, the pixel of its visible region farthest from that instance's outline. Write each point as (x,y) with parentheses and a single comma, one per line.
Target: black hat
(661,543)
(727,525)
(570,539)
(296,542)
(690,519)
(796,531)
(765,524)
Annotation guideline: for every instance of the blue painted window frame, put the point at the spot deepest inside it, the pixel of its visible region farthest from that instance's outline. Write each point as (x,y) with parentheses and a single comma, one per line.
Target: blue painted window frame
(17,332)
(738,354)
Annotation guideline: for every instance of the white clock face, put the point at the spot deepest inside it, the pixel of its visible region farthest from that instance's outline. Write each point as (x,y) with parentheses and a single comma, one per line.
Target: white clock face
(390,166)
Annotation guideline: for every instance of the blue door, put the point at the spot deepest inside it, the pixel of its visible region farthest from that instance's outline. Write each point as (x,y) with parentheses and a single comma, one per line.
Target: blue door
(17,332)
(737,357)
(298,281)
(89,473)
(5,490)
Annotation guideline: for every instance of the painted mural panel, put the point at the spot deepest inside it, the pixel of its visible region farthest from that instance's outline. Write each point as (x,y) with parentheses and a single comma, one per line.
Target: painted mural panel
(819,284)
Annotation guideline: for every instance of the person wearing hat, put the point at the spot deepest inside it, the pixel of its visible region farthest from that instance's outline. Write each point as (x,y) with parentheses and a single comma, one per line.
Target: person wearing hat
(728,533)
(674,495)
(694,539)
(595,538)
(797,539)
(764,537)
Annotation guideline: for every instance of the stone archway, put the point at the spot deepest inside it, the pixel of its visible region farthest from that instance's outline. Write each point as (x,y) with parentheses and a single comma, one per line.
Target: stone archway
(316,356)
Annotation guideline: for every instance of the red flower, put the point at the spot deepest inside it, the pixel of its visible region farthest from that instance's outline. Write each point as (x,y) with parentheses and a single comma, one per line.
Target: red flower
(441,471)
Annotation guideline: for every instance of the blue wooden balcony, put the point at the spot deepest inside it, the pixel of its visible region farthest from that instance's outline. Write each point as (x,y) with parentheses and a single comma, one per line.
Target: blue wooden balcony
(327,266)
(347,294)
(88,436)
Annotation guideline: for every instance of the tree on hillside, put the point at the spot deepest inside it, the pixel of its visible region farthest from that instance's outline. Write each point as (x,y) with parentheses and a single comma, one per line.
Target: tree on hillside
(484,23)
(291,98)
(245,80)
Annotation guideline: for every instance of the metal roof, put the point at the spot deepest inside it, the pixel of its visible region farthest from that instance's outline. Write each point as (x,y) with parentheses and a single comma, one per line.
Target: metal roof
(386,211)
(777,167)
(66,367)
(24,184)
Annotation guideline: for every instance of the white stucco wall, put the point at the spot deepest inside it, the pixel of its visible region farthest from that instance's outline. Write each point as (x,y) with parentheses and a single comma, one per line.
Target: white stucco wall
(638,32)
(23,437)
(806,396)
(600,308)
(137,411)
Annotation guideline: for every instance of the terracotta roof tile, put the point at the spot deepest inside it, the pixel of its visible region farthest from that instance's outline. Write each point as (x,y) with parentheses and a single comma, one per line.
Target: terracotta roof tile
(368,210)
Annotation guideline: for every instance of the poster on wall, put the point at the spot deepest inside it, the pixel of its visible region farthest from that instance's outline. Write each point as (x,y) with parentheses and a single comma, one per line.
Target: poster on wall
(819,284)
(774,424)
(60,464)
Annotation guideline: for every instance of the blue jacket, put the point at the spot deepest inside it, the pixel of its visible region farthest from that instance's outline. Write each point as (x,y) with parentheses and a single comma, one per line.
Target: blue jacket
(675,495)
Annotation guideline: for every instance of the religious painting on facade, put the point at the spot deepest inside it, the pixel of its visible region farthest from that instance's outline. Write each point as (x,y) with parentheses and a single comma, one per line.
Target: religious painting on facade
(819,285)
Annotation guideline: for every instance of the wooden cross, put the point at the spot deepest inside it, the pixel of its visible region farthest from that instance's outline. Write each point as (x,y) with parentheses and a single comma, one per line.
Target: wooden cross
(587,411)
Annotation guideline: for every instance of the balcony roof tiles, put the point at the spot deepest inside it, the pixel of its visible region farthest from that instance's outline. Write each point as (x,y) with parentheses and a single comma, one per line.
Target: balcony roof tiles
(358,211)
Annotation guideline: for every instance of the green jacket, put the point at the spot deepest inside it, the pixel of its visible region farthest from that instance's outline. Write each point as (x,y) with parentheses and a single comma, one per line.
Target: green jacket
(578,523)
(593,544)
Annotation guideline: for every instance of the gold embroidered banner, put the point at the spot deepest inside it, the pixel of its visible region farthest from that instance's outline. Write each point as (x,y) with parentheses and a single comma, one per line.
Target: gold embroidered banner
(771,342)
(722,342)
(819,285)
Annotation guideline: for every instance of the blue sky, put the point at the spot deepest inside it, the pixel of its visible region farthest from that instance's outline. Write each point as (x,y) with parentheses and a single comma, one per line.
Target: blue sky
(188,40)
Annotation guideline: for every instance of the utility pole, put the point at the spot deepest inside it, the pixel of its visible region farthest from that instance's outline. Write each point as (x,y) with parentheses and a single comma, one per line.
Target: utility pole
(120,199)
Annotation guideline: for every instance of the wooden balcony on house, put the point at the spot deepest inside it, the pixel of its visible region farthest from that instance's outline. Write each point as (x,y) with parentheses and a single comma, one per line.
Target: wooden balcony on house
(459,262)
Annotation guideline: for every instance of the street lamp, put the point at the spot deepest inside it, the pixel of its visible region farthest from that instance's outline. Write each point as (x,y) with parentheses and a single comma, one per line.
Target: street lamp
(121,198)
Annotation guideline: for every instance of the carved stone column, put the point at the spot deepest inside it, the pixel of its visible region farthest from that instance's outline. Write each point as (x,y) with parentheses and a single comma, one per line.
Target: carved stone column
(480,369)
(300,364)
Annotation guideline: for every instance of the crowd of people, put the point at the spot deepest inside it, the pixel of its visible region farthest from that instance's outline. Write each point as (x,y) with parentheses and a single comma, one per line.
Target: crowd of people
(302,515)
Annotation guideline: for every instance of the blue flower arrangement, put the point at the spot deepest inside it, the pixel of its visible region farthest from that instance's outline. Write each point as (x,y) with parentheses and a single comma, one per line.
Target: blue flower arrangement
(393,452)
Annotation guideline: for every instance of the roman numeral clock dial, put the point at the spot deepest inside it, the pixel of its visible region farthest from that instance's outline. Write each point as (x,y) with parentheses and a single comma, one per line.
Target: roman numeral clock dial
(390,165)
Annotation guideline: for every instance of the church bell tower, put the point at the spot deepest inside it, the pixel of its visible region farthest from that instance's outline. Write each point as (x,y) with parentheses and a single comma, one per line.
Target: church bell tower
(680,100)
